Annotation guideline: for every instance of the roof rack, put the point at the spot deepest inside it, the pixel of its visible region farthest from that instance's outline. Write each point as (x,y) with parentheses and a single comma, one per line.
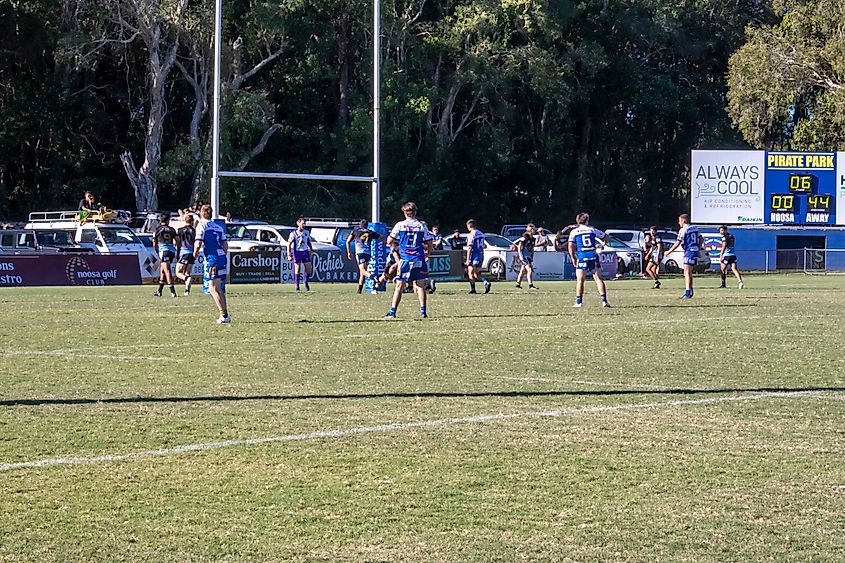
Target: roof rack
(50,216)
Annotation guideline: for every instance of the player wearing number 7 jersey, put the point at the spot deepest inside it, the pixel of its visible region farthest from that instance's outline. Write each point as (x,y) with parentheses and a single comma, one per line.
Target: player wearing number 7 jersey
(414,240)
(584,253)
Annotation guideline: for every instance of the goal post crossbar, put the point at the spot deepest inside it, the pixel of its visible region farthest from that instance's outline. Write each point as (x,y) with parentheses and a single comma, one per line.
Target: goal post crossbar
(291,176)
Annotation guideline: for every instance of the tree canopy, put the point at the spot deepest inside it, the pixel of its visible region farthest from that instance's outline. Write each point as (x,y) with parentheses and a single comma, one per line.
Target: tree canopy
(505,110)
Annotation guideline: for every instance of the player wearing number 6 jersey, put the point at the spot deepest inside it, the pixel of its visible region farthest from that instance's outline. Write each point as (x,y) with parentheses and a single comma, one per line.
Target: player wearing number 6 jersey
(584,253)
(414,240)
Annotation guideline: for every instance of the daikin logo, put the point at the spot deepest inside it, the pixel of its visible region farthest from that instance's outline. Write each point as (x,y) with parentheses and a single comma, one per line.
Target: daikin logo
(741,219)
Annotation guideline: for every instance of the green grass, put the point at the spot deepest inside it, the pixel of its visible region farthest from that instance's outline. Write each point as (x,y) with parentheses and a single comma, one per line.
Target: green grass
(114,371)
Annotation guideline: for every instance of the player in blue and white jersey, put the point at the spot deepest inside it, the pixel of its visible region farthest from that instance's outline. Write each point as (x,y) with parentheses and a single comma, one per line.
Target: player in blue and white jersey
(584,253)
(691,240)
(414,240)
(211,240)
(300,250)
(361,236)
(727,257)
(475,257)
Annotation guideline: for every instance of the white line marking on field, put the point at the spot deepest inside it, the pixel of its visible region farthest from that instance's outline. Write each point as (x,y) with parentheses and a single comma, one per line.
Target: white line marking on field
(66,354)
(584,382)
(392,427)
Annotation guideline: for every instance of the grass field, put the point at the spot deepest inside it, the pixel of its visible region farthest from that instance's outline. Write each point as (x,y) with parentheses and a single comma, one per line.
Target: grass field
(506,427)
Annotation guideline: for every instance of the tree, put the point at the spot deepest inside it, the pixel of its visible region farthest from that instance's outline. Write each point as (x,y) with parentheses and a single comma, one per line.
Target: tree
(787,83)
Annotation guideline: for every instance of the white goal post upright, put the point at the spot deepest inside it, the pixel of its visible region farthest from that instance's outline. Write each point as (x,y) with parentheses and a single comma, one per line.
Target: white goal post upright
(216,173)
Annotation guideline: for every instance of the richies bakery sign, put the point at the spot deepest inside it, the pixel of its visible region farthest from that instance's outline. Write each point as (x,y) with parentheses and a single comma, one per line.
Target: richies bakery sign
(59,269)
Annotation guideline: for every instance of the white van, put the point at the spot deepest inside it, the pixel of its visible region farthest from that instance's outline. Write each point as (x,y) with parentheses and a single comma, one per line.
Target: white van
(102,237)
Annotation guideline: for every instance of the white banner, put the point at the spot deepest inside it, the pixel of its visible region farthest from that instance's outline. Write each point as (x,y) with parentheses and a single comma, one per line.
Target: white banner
(840,188)
(548,266)
(727,186)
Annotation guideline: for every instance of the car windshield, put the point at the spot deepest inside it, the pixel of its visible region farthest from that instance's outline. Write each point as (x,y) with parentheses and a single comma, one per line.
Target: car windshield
(237,232)
(54,238)
(119,235)
(496,240)
(614,242)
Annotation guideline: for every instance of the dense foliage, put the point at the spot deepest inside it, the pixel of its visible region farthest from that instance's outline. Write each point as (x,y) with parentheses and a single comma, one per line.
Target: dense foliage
(505,110)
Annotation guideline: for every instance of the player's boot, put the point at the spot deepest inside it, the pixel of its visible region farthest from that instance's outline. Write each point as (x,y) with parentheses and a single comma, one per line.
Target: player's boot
(656,285)
(487,286)
(605,304)
(224,320)
(157,294)
(577,305)
(532,286)
(741,285)
(519,286)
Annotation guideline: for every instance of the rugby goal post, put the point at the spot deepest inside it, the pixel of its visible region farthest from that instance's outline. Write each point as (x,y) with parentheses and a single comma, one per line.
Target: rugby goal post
(374,180)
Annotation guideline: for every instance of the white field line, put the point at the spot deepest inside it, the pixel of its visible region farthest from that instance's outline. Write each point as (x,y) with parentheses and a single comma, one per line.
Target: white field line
(81,355)
(392,427)
(584,382)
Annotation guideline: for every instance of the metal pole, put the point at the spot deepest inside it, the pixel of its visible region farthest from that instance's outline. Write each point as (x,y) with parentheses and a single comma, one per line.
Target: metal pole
(215,119)
(376,195)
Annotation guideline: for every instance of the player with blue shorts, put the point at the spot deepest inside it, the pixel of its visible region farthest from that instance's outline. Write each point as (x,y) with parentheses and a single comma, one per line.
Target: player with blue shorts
(300,250)
(525,253)
(361,236)
(414,240)
(727,257)
(475,257)
(584,253)
(164,242)
(692,242)
(211,240)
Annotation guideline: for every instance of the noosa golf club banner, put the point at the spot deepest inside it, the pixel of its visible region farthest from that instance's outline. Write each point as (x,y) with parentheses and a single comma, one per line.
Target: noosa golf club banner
(61,269)
(768,187)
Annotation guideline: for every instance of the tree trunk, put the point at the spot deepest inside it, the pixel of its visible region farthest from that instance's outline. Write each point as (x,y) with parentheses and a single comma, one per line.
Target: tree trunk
(582,176)
(343,59)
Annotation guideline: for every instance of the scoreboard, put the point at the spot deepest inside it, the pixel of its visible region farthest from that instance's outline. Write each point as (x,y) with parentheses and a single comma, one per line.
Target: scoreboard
(768,187)
(801,188)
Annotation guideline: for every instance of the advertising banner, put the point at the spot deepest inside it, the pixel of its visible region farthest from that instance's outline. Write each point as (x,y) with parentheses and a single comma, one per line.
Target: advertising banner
(728,187)
(60,269)
(609,265)
(840,187)
(447,265)
(330,266)
(548,266)
(255,267)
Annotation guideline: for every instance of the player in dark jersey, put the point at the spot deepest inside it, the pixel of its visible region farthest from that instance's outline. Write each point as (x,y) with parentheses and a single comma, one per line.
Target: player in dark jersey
(164,242)
(727,257)
(652,255)
(186,236)
(525,253)
(361,236)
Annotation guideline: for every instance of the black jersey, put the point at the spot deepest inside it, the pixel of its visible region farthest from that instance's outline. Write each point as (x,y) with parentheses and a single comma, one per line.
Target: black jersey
(165,235)
(527,241)
(187,236)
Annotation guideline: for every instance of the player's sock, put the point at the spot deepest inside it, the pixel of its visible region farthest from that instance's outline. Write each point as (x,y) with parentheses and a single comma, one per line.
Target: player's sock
(392,312)
(160,286)
(297,282)
(422,312)
(578,299)
(604,298)
(360,289)
(687,293)
(472,286)
(172,290)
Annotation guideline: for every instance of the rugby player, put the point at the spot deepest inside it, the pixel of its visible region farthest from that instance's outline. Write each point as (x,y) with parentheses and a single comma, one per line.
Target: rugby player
(164,242)
(727,257)
(475,257)
(414,241)
(691,241)
(653,255)
(361,236)
(582,250)
(299,252)
(525,253)
(187,236)
(211,239)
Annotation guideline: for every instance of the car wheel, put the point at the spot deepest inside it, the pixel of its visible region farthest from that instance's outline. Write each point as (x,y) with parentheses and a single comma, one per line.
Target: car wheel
(496,268)
(672,267)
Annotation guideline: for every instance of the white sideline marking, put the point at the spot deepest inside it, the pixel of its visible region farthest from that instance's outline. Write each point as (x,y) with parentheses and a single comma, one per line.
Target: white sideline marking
(67,354)
(584,382)
(397,426)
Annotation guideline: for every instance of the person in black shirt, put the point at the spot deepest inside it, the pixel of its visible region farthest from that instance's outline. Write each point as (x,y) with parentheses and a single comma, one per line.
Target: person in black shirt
(525,253)
(186,236)
(165,239)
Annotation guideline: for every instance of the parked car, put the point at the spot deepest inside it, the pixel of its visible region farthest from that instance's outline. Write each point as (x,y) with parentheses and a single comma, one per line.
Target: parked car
(278,235)
(631,237)
(104,237)
(495,249)
(673,263)
(241,239)
(26,240)
(627,259)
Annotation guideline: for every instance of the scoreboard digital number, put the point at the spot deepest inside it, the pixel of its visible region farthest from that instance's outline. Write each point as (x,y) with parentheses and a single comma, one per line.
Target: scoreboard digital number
(800,188)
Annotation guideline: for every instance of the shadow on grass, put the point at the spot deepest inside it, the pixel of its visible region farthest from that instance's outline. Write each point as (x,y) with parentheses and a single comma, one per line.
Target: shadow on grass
(411,395)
